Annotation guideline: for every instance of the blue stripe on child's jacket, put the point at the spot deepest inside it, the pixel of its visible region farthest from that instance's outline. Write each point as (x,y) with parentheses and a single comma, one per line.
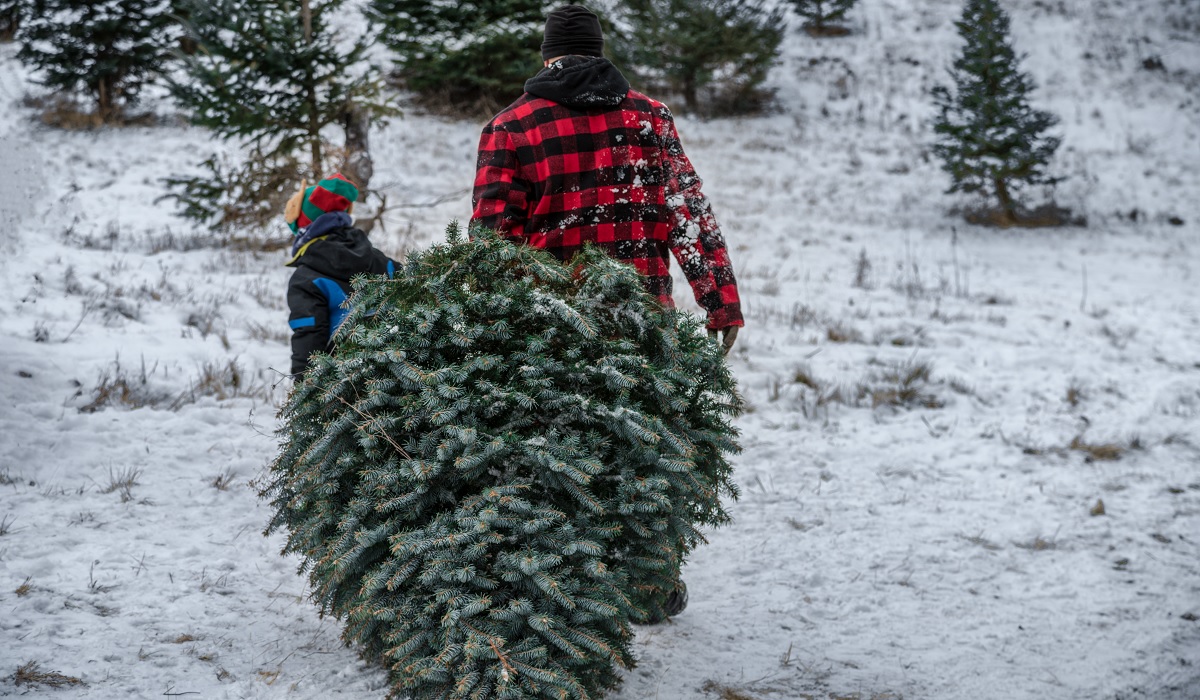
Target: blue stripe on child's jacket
(335,299)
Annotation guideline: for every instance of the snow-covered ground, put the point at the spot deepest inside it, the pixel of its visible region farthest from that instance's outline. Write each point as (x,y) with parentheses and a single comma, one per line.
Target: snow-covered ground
(942,548)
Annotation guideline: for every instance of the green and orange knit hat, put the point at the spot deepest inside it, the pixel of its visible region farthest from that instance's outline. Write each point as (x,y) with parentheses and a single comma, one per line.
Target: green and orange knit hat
(334,193)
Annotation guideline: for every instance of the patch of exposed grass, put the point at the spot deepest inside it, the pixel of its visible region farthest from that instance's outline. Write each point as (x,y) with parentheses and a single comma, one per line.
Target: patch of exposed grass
(223,382)
(902,385)
(980,541)
(122,482)
(32,674)
(1038,544)
(837,332)
(118,386)
(224,480)
(725,692)
(1098,452)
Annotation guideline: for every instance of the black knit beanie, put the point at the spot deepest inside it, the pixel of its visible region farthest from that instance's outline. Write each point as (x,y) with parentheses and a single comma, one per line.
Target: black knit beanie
(572,31)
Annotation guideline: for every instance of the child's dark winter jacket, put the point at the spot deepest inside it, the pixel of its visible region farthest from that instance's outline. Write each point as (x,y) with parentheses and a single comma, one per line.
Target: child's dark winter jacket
(326,256)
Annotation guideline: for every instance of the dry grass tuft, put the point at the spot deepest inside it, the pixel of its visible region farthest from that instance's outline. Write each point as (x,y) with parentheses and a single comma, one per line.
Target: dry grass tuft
(804,377)
(725,692)
(224,480)
(837,332)
(184,639)
(25,588)
(1045,216)
(904,386)
(268,333)
(825,31)
(1106,452)
(6,525)
(32,674)
(862,271)
(62,112)
(119,387)
(981,541)
(1075,395)
(122,482)
(223,382)
(1038,544)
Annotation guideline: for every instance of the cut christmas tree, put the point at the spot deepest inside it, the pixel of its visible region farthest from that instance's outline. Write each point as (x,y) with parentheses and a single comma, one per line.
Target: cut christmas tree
(505,461)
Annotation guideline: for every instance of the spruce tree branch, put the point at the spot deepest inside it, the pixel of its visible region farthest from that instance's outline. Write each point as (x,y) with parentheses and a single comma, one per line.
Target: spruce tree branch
(491,640)
(369,418)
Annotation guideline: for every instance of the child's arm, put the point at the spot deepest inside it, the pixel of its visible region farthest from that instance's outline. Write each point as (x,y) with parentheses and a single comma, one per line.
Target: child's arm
(309,319)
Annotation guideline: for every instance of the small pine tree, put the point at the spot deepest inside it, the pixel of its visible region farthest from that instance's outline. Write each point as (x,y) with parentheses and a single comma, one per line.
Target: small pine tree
(475,53)
(106,49)
(694,44)
(822,13)
(504,461)
(990,139)
(273,74)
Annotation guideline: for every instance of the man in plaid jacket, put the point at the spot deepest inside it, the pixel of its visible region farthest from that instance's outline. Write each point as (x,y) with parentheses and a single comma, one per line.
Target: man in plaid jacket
(581,158)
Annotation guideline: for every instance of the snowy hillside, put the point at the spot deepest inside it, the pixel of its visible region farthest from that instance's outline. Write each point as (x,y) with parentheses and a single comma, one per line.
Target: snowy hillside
(937,410)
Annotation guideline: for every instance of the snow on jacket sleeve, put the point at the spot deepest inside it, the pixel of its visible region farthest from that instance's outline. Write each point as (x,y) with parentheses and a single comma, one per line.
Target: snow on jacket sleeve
(308,318)
(696,239)
(501,197)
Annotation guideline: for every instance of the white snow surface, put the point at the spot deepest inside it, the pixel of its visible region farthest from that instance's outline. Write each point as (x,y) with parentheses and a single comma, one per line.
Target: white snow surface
(941,550)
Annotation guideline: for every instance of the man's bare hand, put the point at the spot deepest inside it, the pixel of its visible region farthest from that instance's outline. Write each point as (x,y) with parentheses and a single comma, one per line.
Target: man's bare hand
(728,336)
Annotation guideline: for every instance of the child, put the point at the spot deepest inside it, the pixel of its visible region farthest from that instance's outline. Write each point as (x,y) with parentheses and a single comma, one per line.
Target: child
(327,252)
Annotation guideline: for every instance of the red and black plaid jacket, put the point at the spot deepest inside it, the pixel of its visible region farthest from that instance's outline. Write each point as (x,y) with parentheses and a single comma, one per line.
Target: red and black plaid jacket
(591,161)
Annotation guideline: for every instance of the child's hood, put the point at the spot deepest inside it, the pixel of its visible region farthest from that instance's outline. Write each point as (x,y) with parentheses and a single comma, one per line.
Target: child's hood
(331,246)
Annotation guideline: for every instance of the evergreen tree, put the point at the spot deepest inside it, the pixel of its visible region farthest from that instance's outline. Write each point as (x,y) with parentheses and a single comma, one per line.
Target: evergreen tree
(472,53)
(504,461)
(274,74)
(990,139)
(820,13)
(694,44)
(106,49)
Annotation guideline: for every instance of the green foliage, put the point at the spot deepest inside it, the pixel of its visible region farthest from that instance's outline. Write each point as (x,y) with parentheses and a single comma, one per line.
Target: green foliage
(820,13)
(107,50)
(261,75)
(989,138)
(472,53)
(505,460)
(724,46)
(229,196)
(264,75)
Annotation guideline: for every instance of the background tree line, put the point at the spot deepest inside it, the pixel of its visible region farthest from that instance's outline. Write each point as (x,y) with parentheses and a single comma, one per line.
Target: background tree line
(275,75)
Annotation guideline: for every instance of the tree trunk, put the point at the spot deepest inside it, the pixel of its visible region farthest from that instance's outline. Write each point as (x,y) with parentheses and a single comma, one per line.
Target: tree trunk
(690,91)
(10,22)
(359,166)
(310,96)
(1007,207)
(104,99)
